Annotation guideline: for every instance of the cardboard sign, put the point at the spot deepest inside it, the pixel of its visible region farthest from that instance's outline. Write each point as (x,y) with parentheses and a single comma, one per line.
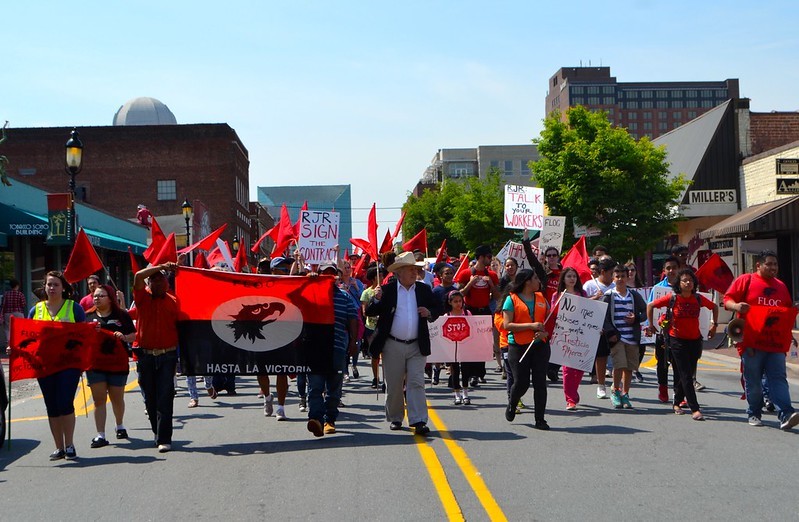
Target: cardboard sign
(577,329)
(524,207)
(319,231)
(552,233)
(477,342)
(516,251)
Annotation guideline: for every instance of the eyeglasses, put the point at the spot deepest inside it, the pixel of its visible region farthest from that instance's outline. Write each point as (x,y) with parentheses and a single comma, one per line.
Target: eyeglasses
(98,296)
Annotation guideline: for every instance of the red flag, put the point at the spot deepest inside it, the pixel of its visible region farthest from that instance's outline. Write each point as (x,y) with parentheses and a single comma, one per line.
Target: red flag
(241,260)
(285,232)
(417,242)
(83,261)
(386,245)
(577,258)
(769,327)
(715,274)
(299,218)
(206,243)
(157,242)
(442,252)
(42,348)
(360,267)
(200,261)
(271,233)
(398,227)
(362,244)
(216,255)
(464,266)
(168,252)
(250,323)
(371,233)
(134,263)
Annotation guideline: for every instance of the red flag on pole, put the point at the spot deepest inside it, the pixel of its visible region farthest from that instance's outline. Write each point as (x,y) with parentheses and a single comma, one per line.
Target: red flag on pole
(464,266)
(200,261)
(157,242)
(442,252)
(241,260)
(134,263)
(362,244)
(271,233)
(83,261)
(360,267)
(715,274)
(299,218)
(577,258)
(398,227)
(371,233)
(206,243)
(417,242)
(168,252)
(285,232)
(386,245)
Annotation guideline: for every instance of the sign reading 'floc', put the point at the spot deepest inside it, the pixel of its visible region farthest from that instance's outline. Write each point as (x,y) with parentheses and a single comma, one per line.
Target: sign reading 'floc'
(524,207)
(319,232)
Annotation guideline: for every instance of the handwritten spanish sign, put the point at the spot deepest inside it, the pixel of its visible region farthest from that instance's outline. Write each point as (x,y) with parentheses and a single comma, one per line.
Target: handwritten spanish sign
(467,338)
(524,207)
(516,251)
(577,330)
(552,233)
(319,231)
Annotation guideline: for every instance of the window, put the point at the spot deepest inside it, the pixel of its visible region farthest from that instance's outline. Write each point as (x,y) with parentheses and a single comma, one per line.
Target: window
(646,94)
(634,135)
(692,103)
(166,190)
(608,100)
(662,94)
(663,126)
(632,105)
(662,115)
(608,89)
(495,163)
(525,167)
(632,94)
(632,115)
(707,93)
(577,90)
(508,168)
(592,90)
(721,94)
(676,115)
(646,104)
(647,115)
(578,100)
(676,94)
(707,104)
(632,126)
(691,115)
(676,124)
(691,93)
(647,125)
(662,104)
(677,104)
(593,100)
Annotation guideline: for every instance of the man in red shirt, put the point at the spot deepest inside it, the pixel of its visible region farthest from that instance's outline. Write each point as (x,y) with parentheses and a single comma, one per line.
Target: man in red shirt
(157,337)
(479,285)
(763,289)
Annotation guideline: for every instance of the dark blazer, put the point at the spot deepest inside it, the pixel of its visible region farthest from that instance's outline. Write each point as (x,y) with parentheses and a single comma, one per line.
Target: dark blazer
(385,310)
(639,309)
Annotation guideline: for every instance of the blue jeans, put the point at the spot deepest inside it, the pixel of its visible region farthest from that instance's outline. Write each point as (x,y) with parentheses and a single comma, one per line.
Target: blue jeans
(157,381)
(773,364)
(326,409)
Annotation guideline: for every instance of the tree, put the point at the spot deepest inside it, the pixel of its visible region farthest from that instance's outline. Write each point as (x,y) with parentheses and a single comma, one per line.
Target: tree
(466,213)
(600,176)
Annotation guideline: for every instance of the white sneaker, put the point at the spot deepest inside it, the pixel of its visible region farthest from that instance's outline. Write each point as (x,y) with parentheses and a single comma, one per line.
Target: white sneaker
(281,413)
(601,392)
(163,448)
(754,421)
(790,422)
(268,408)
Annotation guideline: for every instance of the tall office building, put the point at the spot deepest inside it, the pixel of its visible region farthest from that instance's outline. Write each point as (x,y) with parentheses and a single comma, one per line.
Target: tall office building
(644,108)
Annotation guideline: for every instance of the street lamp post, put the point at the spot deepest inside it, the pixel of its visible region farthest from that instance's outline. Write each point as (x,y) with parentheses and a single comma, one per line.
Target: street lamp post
(235,244)
(74,156)
(187,215)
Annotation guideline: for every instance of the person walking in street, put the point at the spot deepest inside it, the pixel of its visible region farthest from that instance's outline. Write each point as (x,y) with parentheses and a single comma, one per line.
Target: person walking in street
(13,306)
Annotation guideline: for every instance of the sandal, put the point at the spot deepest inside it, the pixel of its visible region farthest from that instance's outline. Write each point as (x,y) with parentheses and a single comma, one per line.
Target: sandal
(697,415)
(193,403)
(212,392)
(678,410)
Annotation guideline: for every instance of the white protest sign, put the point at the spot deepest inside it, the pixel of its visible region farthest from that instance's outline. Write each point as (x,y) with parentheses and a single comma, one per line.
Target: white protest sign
(461,338)
(516,251)
(318,235)
(552,233)
(577,330)
(705,315)
(644,293)
(524,207)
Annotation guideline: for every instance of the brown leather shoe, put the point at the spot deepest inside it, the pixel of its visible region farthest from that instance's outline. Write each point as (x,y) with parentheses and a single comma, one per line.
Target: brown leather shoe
(315,427)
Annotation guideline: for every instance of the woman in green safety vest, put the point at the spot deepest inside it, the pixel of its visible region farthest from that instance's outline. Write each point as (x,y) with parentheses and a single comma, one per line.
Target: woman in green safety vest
(59,388)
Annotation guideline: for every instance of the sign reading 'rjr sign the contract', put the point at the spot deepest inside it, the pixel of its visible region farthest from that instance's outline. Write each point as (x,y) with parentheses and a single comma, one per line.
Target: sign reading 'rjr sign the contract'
(524,207)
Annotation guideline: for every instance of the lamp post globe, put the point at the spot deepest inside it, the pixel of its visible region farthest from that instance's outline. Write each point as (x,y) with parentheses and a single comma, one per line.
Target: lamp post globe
(188,213)
(74,157)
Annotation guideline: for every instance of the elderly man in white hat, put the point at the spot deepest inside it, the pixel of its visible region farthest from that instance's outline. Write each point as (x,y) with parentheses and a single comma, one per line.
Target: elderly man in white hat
(404,307)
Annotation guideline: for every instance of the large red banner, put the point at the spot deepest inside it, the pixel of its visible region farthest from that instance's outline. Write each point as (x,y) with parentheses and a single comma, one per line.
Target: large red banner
(768,328)
(41,348)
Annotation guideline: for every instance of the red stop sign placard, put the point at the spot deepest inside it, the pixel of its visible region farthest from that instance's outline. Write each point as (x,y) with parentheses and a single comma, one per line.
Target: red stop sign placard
(456,329)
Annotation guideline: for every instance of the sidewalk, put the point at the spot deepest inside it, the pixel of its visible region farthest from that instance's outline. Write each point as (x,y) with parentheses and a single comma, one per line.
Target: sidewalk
(731,352)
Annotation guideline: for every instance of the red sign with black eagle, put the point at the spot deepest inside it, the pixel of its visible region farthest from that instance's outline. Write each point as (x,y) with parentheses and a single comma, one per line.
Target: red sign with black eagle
(249,324)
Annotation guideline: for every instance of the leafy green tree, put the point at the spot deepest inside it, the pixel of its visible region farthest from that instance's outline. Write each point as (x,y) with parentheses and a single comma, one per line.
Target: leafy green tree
(600,176)
(467,213)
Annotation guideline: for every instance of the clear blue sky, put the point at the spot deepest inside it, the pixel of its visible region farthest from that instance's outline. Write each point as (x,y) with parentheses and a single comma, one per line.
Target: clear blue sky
(366,92)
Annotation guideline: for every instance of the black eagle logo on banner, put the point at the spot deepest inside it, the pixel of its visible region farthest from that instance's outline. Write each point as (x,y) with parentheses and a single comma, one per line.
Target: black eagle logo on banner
(251,320)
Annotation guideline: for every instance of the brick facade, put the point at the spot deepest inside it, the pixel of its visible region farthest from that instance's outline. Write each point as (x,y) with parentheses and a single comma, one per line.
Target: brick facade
(769,130)
(759,175)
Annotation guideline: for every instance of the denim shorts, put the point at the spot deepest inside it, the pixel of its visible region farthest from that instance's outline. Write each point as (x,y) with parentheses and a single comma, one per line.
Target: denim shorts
(113,379)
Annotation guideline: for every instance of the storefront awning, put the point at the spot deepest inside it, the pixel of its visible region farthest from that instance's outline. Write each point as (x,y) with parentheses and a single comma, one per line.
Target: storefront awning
(781,215)
(112,242)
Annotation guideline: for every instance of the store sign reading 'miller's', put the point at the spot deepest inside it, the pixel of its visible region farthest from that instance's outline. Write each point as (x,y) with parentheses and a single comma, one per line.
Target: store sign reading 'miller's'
(712,196)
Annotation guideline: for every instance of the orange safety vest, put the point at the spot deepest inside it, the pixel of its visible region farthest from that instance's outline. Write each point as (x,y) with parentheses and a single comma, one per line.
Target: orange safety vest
(503,334)
(521,314)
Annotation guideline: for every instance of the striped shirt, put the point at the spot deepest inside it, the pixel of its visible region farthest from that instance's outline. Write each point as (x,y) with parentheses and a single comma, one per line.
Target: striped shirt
(343,311)
(622,306)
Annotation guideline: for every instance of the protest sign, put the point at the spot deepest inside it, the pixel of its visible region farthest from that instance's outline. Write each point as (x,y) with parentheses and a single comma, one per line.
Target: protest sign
(552,233)
(318,235)
(516,251)
(577,329)
(462,338)
(524,207)
(644,292)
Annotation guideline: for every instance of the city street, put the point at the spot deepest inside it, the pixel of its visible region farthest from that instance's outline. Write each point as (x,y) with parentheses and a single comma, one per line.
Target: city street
(230,462)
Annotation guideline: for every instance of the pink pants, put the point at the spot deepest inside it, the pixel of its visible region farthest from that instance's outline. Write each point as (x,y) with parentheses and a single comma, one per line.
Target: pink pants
(571,383)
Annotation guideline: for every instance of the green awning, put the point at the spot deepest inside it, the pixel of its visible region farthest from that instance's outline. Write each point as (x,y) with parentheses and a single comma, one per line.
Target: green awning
(112,242)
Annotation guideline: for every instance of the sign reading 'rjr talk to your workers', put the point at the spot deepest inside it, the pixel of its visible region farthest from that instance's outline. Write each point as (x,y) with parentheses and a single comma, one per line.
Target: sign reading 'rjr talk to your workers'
(318,235)
(524,207)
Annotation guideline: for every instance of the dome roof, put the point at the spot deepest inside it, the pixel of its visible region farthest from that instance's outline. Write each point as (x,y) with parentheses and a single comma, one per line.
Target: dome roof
(144,111)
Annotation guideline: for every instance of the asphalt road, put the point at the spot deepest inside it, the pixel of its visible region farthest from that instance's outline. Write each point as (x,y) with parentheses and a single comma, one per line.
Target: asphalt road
(230,462)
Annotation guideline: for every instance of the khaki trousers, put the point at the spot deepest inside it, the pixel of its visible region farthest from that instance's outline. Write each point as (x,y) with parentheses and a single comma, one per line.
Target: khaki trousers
(403,363)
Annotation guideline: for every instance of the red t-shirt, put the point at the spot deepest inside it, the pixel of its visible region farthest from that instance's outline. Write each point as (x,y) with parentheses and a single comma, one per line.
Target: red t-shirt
(551,288)
(761,292)
(685,315)
(157,322)
(479,295)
